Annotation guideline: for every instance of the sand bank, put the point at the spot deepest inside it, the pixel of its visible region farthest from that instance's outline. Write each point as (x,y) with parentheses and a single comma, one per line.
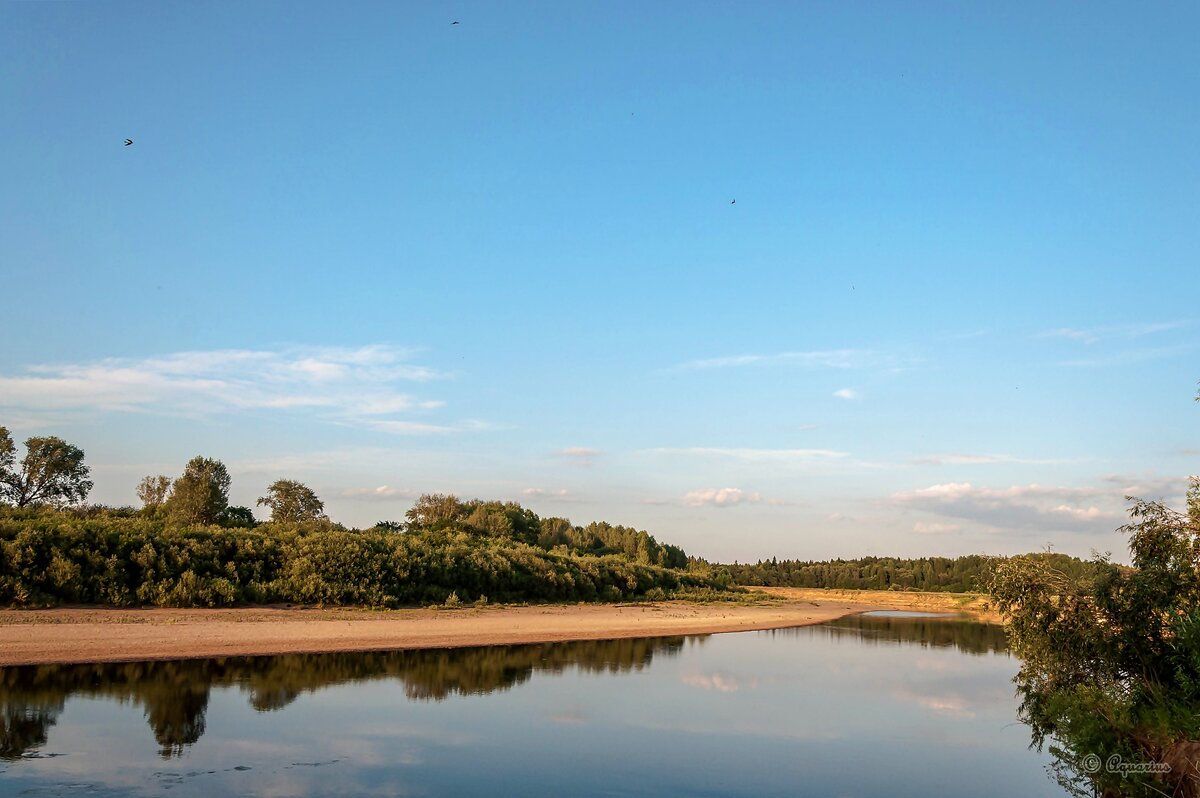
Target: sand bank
(72,635)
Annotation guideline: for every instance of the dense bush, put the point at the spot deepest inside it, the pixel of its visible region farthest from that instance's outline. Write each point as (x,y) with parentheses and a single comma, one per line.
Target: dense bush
(125,558)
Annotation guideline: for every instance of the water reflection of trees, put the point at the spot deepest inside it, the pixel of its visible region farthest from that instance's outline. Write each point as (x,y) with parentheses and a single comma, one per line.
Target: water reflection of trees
(970,637)
(174,694)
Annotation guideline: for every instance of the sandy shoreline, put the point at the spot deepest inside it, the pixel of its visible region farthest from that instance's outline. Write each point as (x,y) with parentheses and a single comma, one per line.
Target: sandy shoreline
(79,635)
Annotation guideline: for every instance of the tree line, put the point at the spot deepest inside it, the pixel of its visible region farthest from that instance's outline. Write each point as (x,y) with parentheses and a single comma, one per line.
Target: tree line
(967,574)
(53,475)
(187,546)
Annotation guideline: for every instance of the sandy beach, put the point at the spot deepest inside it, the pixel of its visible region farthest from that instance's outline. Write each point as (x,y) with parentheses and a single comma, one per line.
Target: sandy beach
(74,635)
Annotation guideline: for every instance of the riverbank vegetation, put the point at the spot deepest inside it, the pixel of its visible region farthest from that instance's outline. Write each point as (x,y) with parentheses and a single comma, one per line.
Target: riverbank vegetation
(187,547)
(1110,663)
(128,558)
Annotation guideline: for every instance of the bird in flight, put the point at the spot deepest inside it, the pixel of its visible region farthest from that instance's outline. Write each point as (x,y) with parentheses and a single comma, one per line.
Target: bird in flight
(733,202)
(455,22)
(128,142)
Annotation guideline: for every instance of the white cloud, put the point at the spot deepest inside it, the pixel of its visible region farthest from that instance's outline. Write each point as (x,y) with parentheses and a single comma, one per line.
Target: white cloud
(1131,356)
(720,497)
(934,528)
(579,455)
(833,358)
(847,393)
(958,458)
(1095,334)
(760,455)
(398,427)
(545,493)
(380,493)
(1031,508)
(359,386)
(1080,513)
(1075,335)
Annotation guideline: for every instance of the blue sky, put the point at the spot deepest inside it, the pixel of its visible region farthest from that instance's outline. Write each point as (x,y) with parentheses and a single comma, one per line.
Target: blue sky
(953,308)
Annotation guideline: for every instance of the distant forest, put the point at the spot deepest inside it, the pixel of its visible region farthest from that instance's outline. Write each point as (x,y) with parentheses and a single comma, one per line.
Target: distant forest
(967,574)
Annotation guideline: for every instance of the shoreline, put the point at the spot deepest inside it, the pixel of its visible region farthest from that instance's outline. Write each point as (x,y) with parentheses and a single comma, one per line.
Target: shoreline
(88,635)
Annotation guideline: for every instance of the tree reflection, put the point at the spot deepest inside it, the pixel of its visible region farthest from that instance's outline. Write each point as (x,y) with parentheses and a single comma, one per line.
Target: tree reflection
(970,637)
(174,694)
(23,727)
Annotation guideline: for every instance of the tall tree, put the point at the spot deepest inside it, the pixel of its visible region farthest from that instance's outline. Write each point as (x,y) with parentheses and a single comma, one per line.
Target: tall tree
(1111,664)
(52,472)
(435,511)
(292,501)
(201,495)
(153,491)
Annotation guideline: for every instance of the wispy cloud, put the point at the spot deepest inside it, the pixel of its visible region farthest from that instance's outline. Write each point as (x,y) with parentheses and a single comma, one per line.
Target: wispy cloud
(720,497)
(1093,335)
(830,358)
(400,427)
(359,386)
(579,455)
(959,458)
(1125,343)
(547,493)
(934,528)
(379,493)
(1126,357)
(849,394)
(755,455)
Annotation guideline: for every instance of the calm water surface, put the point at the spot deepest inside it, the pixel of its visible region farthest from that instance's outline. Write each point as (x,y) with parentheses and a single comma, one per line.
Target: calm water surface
(865,706)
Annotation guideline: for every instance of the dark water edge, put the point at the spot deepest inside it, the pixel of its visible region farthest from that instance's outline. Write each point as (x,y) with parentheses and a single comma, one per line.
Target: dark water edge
(831,709)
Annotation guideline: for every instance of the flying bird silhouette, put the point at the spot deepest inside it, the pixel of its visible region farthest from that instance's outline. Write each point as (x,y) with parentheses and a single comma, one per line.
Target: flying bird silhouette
(455,22)
(128,142)
(733,202)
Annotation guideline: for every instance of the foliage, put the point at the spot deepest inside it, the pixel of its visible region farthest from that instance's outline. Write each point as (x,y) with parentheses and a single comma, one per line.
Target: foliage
(125,558)
(1111,661)
(510,521)
(201,495)
(239,517)
(8,453)
(292,502)
(152,492)
(433,511)
(945,574)
(51,473)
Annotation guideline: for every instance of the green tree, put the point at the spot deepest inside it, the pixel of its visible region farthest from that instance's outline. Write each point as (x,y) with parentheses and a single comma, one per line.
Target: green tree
(153,491)
(435,511)
(237,518)
(8,452)
(51,473)
(1111,662)
(201,495)
(292,501)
